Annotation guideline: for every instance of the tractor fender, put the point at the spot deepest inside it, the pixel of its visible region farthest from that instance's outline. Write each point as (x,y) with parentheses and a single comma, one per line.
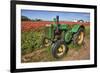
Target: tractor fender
(68,36)
(76,27)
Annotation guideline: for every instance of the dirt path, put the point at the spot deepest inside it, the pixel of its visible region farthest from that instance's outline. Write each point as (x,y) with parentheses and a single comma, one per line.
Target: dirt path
(81,54)
(43,55)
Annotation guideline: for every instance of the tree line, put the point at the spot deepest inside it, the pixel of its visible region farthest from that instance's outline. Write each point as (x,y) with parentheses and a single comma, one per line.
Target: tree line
(25,18)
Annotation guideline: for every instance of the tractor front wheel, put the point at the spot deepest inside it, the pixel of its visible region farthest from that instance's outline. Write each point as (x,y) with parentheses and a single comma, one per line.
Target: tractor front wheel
(59,48)
(46,42)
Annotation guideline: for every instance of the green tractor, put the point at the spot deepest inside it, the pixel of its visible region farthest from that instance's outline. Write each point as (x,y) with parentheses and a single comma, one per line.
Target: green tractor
(61,35)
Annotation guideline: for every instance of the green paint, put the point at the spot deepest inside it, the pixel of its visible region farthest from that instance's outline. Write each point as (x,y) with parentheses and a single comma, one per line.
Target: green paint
(68,36)
(64,27)
(75,28)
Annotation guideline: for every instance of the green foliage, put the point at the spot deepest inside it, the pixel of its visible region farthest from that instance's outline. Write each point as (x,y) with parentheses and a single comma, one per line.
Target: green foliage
(74,46)
(30,40)
(34,20)
(87,32)
(25,18)
(38,20)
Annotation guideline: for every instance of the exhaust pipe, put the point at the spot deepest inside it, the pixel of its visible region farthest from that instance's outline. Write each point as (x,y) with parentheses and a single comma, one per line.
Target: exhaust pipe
(57,18)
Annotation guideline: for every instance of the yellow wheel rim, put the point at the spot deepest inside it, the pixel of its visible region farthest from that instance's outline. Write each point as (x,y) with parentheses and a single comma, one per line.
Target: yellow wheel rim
(46,40)
(47,43)
(80,37)
(61,50)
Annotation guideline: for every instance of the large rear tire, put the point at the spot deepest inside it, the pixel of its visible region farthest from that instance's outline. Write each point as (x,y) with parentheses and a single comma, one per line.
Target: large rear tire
(59,49)
(78,37)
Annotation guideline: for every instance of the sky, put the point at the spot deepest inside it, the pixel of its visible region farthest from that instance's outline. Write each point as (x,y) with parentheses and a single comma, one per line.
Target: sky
(49,15)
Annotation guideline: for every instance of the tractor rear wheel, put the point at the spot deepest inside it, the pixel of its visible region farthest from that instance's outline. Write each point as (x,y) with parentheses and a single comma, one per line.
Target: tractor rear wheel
(59,48)
(79,37)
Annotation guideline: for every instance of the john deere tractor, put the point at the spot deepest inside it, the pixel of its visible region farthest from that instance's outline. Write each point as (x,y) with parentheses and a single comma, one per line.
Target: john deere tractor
(61,35)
